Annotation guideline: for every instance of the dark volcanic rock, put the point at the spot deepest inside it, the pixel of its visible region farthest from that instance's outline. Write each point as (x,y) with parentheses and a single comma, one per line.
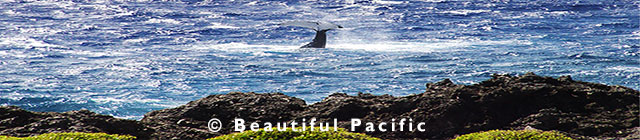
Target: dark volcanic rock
(579,109)
(17,122)
(190,121)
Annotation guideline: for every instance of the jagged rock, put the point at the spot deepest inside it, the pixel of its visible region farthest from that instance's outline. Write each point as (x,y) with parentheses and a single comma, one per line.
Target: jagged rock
(18,122)
(190,121)
(579,109)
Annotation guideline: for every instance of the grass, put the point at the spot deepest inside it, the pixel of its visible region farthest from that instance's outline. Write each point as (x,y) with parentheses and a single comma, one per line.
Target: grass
(295,135)
(308,135)
(514,135)
(72,136)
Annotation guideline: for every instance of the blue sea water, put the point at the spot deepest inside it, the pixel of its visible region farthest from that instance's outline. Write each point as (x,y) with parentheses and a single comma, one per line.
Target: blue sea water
(125,58)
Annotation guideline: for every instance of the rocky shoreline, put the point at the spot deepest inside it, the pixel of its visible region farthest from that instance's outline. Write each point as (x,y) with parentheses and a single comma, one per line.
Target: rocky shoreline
(578,109)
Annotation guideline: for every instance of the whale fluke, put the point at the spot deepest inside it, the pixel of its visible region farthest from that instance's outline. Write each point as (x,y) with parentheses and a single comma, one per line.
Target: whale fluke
(321,29)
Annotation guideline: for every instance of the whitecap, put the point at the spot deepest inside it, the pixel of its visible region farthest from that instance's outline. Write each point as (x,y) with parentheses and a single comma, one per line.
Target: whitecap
(136,40)
(434,1)
(220,26)
(23,41)
(104,100)
(629,69)
(243,47)
(156,20)
(388,2)
(431,46)
(465,12)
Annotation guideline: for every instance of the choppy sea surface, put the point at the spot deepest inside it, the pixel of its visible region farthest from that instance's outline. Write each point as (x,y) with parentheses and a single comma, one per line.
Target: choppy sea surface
(126,58)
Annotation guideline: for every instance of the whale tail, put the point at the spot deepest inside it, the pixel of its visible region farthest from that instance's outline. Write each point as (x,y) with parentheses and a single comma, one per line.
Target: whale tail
(317,26)
(319,41)
(321,29)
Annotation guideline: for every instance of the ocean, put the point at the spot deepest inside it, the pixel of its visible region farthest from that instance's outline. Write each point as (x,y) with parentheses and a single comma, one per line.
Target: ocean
(126,58)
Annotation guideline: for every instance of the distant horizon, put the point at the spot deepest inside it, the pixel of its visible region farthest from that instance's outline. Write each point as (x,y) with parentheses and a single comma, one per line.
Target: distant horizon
(129,58)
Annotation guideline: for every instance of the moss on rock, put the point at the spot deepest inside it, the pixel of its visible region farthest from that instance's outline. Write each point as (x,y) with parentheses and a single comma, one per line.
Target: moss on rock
(514,135)
(72,136)
(295,135)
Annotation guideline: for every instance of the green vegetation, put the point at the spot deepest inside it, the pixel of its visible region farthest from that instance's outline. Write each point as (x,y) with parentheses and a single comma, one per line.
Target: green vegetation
(295,135)
(72,136)
(308,135)
(514,135)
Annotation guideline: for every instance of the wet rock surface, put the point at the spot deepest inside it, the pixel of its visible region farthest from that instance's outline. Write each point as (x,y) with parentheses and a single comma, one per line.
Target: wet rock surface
(579,109)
